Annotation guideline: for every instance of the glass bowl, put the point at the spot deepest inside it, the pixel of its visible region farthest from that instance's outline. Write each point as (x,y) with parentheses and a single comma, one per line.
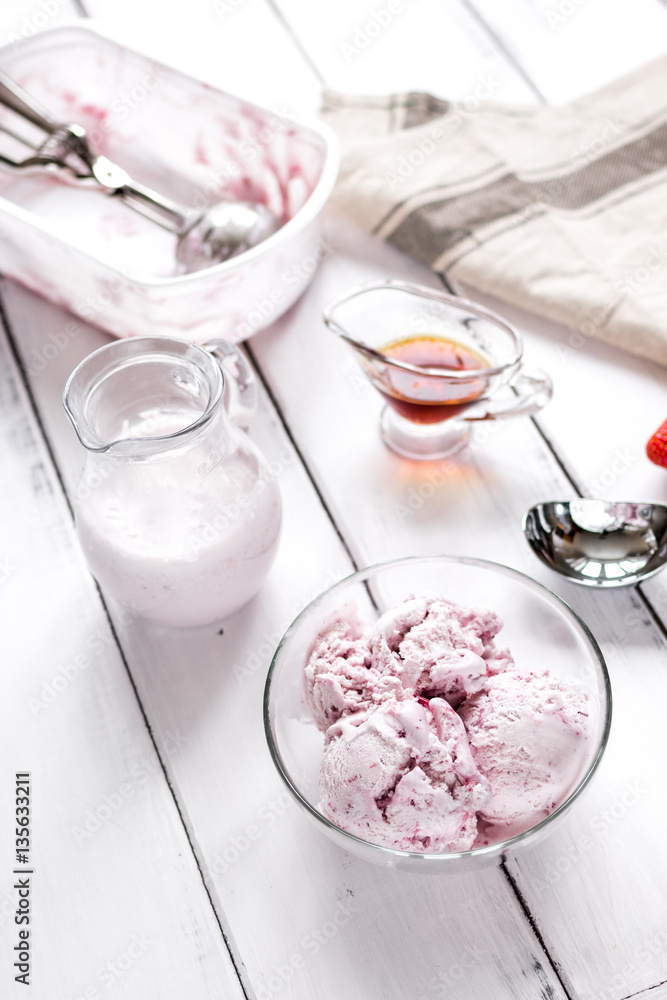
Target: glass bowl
(539,629)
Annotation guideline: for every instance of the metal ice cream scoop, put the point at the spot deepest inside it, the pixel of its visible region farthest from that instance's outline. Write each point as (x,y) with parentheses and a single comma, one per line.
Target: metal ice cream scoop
(204,238)
(599,543)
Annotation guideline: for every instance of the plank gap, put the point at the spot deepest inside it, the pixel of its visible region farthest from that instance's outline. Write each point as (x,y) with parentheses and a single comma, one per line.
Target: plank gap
(11,340)
(153,740)
(643,993)
(560,462)
(300,455)
(297,41)
(4,320)
(533,924)
(500,45)
(654,615)
(447,283)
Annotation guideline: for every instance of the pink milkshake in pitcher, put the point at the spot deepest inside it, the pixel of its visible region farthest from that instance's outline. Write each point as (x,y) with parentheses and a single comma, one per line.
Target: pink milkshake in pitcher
(177,511)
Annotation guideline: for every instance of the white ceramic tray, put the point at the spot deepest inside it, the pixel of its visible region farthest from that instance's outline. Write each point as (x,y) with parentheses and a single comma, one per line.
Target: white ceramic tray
(106,263)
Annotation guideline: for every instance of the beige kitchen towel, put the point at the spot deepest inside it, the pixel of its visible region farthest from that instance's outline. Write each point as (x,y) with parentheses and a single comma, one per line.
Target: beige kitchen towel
(561,210)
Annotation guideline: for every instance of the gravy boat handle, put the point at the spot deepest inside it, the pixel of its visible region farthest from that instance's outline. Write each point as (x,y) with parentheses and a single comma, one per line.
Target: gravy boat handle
(532,389)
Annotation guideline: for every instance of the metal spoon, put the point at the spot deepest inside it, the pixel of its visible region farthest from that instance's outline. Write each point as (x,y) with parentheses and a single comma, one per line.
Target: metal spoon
(204,238)
(598,543)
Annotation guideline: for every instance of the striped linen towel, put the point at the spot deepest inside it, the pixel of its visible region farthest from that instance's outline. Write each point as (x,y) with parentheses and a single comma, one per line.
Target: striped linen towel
(560,210)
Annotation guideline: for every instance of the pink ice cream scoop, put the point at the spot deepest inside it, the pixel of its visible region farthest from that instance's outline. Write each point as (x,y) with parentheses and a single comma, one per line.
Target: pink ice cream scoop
(338,673)
(438,648)
(527,734)
(344,674)
(424,645)
(434,740)
(341,677)
(401,775)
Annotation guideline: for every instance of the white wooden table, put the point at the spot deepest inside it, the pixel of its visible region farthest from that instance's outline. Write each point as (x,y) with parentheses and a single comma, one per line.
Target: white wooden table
(168,860)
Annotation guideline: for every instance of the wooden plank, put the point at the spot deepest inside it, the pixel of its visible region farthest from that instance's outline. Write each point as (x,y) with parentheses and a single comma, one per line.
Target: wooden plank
(402,45)
(474,505)
(237,45)
(117,901)
(296,893)
(569,47)
(606,404)
(297,908)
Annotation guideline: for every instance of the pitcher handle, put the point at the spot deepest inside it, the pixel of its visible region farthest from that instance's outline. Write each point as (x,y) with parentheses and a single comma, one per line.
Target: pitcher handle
(533,389)
(241,395)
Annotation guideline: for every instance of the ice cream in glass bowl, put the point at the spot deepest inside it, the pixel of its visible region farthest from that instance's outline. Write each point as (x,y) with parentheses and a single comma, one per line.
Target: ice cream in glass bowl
(435,713)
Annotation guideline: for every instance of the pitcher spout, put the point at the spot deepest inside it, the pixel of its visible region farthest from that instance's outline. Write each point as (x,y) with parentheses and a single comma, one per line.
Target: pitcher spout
(73,402)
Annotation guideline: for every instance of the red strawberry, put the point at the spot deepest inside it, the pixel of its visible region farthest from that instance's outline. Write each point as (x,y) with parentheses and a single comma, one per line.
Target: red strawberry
(656,449)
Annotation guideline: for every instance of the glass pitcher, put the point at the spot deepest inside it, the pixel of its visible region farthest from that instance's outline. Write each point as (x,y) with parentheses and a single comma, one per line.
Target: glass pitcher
(176,510)
(439,361)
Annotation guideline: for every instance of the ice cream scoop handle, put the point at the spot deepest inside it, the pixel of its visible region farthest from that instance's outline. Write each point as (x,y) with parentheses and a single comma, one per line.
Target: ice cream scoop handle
(154,206)
(532,390)
(157,209)
(14,97)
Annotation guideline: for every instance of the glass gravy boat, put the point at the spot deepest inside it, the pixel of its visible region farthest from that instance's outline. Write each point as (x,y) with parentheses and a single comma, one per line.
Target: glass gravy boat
(177,511)
(440,362)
